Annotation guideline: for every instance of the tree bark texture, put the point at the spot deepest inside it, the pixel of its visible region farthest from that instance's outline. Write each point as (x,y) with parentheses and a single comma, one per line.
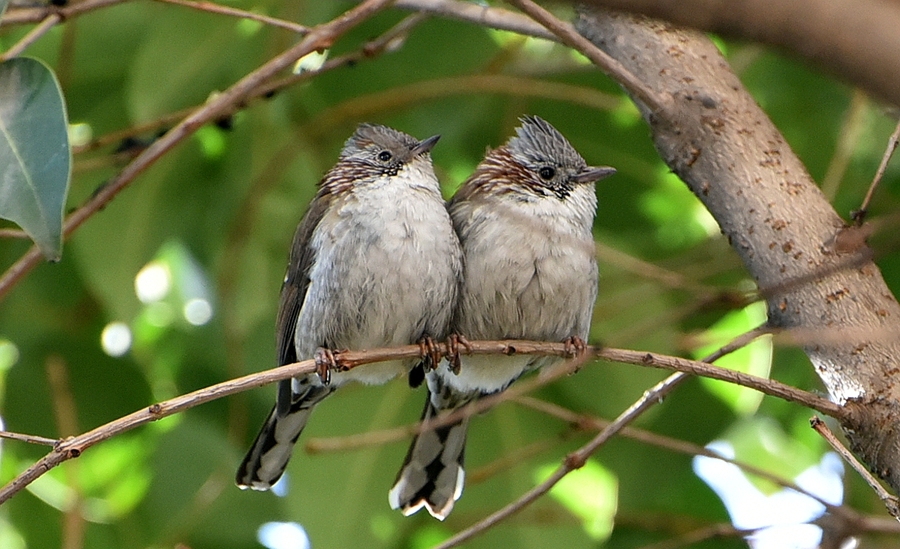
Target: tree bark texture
(858,40)
(718,140)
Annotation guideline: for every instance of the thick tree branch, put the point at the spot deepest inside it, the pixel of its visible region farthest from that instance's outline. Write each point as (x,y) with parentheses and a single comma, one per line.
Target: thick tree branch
(734,159)
(856,40)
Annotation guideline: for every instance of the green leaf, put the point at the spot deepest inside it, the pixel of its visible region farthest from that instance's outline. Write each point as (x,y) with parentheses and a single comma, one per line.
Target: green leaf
(590,493)
(35,158)
(754,358)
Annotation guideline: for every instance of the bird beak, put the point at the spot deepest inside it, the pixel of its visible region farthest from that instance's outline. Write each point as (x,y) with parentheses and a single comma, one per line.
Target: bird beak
(425,146)
(594,173)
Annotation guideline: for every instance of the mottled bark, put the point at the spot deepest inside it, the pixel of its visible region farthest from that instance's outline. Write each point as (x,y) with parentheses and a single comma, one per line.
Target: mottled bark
(718,140)
(857,40)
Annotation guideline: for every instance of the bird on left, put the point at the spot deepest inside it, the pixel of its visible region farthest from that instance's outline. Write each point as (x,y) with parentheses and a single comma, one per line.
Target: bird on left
(374,263)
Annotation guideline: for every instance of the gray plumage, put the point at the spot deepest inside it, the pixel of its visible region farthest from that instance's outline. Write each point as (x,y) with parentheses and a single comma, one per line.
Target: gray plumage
(374,263)
(524,220)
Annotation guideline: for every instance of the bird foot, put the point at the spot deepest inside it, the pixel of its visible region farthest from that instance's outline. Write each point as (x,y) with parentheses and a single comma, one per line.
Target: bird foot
(453,343)
(430,351)
(325,363)
(575,347)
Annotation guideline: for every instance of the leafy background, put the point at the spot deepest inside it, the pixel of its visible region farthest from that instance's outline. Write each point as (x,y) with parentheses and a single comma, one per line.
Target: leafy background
(219,211)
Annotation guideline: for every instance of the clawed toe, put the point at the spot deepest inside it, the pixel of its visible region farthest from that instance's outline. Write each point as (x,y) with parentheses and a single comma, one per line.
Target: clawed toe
(453,343)
(430,351)
(325,363)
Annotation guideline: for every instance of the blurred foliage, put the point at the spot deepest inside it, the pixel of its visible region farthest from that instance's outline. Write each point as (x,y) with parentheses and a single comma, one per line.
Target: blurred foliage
(213,220)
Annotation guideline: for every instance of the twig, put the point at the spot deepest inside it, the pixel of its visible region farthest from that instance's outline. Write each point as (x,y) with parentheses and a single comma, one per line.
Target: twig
(892,503)
(570,37)
(679,446)
(13,233)
(860,215)
(73,447)
(369,50)
(573,461)
(30,439)
(852,127)
(577,459)
(495,18)
(243,14)
(21,16)
(322,36)
(33,35)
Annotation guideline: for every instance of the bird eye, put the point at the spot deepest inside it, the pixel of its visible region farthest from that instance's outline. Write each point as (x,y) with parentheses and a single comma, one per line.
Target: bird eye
(384,156)
(546,172)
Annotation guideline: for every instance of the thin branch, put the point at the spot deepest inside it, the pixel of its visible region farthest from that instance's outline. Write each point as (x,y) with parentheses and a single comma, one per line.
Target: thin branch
(570,37)
(33,35)
(573,461)
(322,36)
(485,16)
(13,233)
(852,127)
(242,14)
(860,215)
(892,503)
(75,446)
(577,459)
(369,50)
(682,447)
(30,439)
(22,16)
(609,255)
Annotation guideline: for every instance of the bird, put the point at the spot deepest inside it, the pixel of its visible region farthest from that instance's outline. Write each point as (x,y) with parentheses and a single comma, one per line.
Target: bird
(524,219)
(374,262)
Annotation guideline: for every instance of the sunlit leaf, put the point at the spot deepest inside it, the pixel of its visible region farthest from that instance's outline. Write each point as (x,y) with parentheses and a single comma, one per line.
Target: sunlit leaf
(590,493)
(35,159)
(754,358)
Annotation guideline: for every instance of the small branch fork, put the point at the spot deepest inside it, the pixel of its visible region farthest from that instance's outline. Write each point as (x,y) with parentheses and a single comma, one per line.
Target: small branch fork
(73,447)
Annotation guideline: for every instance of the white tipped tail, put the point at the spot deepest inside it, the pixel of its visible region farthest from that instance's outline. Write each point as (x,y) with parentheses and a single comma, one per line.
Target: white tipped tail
(432,475)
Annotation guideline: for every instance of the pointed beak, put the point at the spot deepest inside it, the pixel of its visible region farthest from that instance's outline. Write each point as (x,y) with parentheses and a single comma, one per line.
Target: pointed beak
(594,173)
(425,146)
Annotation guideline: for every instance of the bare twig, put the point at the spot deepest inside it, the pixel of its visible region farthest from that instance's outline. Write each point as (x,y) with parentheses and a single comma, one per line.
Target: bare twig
(30,439)
(74,446)
(851,129)
(675,445)
(322,36)
(570,37)
(369,50)
(495,18)
(860,215)
(21,16)
(212,7)
(33,35)
(577,459)
(13,233)
(892,503)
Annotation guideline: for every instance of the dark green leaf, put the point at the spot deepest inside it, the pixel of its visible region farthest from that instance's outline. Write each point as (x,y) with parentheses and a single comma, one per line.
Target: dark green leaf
(35,159)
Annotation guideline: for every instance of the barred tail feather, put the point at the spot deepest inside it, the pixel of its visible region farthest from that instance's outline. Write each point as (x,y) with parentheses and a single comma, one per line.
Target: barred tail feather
(268,457)
(432,476)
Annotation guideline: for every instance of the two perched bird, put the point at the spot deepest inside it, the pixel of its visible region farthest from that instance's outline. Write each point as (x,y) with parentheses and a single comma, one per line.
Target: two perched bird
(379,260)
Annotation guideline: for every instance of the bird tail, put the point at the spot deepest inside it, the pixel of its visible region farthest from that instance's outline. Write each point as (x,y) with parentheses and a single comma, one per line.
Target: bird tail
(268,457)
(432,476)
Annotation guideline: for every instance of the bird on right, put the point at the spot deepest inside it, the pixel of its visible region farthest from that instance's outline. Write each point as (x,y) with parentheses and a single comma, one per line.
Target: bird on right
(524,220)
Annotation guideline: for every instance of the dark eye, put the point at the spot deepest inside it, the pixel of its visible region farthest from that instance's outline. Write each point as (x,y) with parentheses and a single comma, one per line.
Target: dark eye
(384,156)
(546,173)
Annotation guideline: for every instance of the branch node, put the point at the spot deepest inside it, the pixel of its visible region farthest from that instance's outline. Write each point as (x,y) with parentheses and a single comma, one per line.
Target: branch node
(575,460)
